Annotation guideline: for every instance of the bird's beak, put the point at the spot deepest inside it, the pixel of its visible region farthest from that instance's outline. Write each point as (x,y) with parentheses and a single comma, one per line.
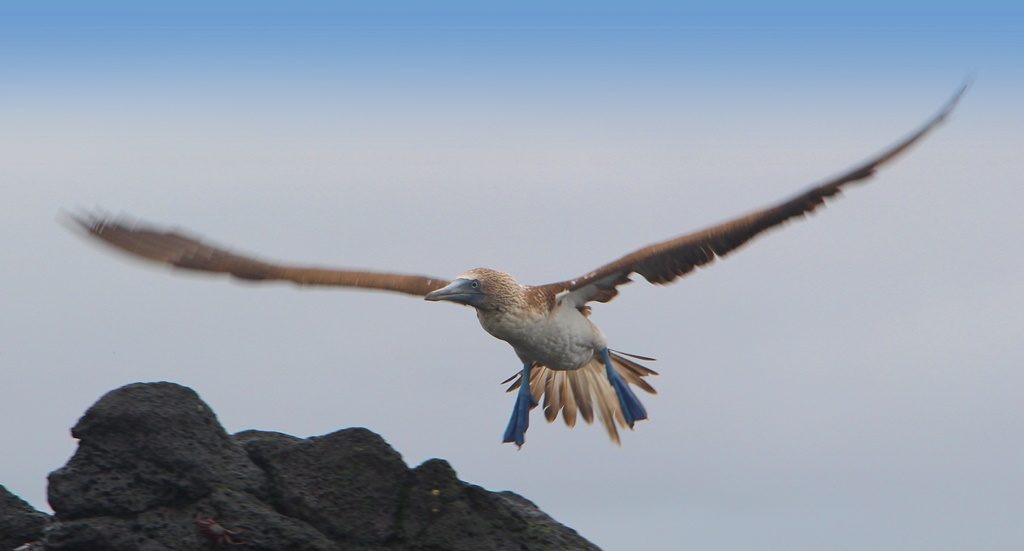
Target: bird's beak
(461,291)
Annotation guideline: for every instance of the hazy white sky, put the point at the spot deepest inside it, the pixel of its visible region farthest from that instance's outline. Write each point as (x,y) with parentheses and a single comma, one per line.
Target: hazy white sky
(850,381)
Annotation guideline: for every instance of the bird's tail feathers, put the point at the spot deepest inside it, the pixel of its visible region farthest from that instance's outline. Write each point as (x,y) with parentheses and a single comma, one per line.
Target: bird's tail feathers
(634,356)
(579,392)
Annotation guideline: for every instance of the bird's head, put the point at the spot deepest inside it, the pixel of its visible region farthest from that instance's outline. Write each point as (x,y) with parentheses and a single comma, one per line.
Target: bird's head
(480,288)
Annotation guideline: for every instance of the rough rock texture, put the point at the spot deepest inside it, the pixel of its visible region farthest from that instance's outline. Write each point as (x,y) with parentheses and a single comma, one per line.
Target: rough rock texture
(19,522)
(144,446)
(347,484)
(152,458)
(442,512)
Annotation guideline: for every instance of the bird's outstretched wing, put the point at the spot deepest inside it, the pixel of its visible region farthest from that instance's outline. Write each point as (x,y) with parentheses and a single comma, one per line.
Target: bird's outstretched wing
(189,253)
(664,262)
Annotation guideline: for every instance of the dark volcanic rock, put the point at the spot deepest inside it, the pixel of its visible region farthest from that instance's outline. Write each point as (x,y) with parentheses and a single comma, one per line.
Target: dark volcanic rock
(149,445)
(19,522)
(348,484)
(442,512)
(153,462)
(261,445)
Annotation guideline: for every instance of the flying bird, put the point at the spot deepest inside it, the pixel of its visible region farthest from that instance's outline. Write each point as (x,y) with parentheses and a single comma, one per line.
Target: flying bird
(565,358)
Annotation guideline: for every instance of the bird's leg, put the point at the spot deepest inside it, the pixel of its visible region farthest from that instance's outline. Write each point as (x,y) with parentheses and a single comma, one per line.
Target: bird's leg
(632,409)
(520,420)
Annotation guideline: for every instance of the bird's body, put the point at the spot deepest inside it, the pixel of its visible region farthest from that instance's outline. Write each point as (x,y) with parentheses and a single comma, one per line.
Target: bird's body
(565,357)
(541,328)
(561,338)
(562,351)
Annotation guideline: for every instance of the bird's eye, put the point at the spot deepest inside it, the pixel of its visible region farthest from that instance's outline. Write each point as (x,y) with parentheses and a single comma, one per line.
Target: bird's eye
(475,284)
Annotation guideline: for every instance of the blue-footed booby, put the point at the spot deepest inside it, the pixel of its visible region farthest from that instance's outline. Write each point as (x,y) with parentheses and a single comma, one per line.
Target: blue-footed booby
(565,358)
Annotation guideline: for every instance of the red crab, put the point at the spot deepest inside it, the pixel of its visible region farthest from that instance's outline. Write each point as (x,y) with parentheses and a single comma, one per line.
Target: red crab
(213,530)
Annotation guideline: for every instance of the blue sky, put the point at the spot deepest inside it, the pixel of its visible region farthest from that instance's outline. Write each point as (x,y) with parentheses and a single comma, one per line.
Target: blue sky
(458,53)
(74,32)
(851,380)
(263,13)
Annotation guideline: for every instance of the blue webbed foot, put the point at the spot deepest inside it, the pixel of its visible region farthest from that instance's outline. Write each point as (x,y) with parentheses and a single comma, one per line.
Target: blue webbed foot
(632,409)
(520,420)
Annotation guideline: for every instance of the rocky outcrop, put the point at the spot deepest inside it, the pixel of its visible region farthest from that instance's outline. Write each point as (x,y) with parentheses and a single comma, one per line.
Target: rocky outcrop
(155,471)
(146,446)
(19,522)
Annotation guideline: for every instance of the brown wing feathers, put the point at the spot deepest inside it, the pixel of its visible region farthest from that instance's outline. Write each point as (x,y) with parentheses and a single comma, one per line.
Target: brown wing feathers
(182,251)
(663,262)
(658,263)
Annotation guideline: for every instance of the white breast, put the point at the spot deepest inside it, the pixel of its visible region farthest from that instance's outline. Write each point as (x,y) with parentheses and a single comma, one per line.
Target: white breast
(563,339)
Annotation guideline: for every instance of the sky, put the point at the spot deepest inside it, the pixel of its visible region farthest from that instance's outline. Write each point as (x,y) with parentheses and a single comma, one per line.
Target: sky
(850,381)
